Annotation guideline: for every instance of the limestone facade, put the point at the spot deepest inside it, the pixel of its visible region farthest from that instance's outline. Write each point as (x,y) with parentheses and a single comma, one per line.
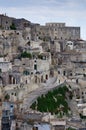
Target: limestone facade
(56,31)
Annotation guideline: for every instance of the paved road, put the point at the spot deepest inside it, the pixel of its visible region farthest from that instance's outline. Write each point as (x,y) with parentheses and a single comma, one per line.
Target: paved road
(74,109)
(72,103)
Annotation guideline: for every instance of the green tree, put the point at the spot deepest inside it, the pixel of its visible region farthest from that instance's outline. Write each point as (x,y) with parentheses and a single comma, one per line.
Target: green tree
(54,102)
(40,56)
(26,55)
(71,128)
(13,27)
(7,97)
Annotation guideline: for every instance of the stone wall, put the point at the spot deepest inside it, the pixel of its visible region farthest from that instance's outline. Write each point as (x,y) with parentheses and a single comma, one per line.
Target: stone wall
(5,22)
(55,31)
(50,30)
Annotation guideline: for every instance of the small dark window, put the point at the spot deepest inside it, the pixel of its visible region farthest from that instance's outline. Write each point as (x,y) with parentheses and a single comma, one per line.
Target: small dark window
(31,72)
(6,112)
(11,106)
(17,33)
(46,76)
(70,74)
(0,70)
(6,22)
(77,81)
(64,73)
(58,72)
(35,67)
(82,96)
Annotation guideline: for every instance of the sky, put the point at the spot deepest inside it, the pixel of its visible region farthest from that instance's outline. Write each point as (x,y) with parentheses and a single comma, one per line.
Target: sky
(72,12)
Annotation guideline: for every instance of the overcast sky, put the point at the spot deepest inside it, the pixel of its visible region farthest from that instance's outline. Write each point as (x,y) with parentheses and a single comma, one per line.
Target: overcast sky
(72,12)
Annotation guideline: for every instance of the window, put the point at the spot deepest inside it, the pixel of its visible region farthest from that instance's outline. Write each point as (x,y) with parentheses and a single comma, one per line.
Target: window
(46,76)
(64,73)
(26,81)
(6,112)
(82,96)
(35,67)
(12,94)
(70,74)
(35,128)
(0,70)
(6,22)
(58,72)
(31,72)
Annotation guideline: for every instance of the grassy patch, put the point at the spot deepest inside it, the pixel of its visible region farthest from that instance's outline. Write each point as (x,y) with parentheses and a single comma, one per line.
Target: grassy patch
(54,102)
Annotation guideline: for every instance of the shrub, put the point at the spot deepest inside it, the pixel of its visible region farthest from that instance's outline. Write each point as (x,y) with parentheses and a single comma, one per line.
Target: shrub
(7,97)
(13,27)
(26,55)
(54,102)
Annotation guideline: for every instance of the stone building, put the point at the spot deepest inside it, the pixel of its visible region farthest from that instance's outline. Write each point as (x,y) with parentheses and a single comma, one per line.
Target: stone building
(61,31)
(35,32)
(8,116)
(55,31)
(5,66)
(69,45)
(47,32)
(82,83)
(19,24)
(5,22)
(58,124)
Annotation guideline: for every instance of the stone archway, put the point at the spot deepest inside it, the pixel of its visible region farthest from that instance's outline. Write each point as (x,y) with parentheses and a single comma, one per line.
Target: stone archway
(12,80)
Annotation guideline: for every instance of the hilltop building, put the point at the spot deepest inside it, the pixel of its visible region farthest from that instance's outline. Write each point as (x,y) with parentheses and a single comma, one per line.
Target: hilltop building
(55,31)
